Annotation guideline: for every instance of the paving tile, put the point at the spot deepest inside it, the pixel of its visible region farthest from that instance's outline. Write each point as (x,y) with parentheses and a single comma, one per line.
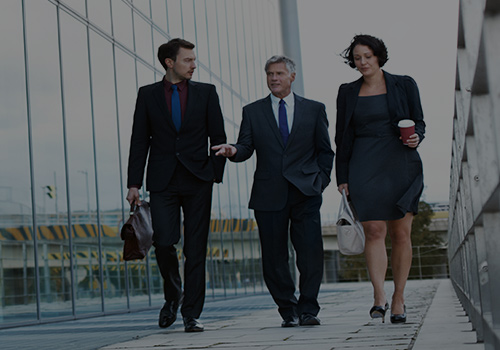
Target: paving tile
(253,323)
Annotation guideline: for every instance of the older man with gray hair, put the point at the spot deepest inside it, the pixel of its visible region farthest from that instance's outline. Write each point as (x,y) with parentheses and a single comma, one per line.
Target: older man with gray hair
(294,160)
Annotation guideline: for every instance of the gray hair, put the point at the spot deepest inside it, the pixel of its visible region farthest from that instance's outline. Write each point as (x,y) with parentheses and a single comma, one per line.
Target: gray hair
(290,64)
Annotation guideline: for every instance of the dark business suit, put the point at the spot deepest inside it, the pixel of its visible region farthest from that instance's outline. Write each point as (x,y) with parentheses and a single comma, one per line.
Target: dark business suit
(287,188)
(180,172)
(403,100)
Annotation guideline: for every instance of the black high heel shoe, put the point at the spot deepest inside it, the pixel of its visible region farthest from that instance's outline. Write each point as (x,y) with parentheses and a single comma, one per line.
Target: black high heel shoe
(399,318)
(379,311)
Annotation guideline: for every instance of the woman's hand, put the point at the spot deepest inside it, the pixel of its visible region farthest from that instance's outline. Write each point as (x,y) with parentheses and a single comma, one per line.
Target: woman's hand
(344,187)
(413,141)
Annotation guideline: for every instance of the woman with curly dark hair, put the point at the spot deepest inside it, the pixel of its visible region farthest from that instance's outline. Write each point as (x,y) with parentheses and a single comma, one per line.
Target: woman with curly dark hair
(380,173)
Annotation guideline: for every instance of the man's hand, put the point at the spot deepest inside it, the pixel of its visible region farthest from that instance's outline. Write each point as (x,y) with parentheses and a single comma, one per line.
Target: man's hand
(133,196)
(225,150)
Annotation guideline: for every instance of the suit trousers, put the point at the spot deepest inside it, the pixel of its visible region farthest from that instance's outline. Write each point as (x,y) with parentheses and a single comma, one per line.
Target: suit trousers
(194,196)
(302,216)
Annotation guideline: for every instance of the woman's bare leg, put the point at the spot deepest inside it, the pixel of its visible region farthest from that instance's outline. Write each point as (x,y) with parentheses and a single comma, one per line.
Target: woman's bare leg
(376,257)
(401,256)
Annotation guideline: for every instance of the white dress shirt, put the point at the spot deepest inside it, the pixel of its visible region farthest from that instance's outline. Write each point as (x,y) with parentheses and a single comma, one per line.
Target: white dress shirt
(289,105)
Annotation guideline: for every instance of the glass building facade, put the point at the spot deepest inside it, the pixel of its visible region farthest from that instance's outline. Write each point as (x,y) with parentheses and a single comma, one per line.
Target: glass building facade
(69,76)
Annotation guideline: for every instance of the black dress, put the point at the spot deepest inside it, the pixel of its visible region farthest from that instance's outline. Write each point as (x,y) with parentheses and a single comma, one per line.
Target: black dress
(385,176)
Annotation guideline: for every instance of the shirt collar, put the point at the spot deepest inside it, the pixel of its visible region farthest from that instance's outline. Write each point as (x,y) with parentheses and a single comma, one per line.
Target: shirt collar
(180,85)
(289,100)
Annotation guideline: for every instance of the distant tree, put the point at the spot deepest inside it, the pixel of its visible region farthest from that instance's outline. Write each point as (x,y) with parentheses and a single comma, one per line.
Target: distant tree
(428,259)
(420,233)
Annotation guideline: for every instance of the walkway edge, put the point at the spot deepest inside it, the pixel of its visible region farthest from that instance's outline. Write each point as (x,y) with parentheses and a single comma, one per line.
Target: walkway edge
(446,325)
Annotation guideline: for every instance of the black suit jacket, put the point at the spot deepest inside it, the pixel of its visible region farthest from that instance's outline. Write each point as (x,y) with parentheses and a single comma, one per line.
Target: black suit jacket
(306,161)
(403,100)
(154,132)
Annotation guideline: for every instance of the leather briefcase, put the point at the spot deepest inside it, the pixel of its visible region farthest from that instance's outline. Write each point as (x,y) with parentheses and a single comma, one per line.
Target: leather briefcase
(137,232)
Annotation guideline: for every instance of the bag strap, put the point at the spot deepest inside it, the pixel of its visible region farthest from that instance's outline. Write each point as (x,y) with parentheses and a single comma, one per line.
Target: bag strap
(133,207)
(345,203)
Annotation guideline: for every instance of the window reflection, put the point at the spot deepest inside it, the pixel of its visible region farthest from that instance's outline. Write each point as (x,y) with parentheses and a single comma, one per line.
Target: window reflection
(17,280)
(81,169)
(81,132)
(53,244)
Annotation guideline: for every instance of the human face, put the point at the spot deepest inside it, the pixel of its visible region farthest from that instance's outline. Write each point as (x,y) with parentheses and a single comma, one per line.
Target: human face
(279,80)
(183,67)
(364,59)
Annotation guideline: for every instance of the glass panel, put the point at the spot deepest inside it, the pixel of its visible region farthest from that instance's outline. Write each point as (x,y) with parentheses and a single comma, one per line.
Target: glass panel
(127,93)
(142,5)
(202,42)
(212,39)
(139,279)
(174,19)
(223,48)
(144,48)
(159,10)
(188,21)
(108,167)
(158,39)
(17,282)
(77,5)
(99,14)
(241,54)
(122,24)
(145,76)
(54,259)
(81,172)
(250,53)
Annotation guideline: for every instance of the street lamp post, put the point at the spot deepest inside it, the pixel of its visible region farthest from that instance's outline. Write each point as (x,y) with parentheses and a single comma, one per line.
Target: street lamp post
(85,172)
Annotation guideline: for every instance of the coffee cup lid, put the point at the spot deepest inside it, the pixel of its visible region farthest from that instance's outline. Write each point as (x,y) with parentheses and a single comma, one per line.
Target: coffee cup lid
(405,123)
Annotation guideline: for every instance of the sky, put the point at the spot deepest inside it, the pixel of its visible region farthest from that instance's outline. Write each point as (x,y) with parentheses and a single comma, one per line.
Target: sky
(421,37)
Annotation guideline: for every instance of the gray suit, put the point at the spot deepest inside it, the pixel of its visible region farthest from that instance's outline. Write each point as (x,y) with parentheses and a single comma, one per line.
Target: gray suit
(287,188)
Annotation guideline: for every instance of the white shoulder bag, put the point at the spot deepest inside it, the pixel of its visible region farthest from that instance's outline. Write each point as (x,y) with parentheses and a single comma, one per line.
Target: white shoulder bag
(350,234)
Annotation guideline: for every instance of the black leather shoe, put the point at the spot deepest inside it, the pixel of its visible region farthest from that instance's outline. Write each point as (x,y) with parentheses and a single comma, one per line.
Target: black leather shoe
(168,314)
(399,318)
(309,320)
(191,324)
(379,311)
(290,321)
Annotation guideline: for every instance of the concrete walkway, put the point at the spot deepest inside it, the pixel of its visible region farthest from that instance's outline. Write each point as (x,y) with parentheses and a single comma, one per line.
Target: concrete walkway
(435,321)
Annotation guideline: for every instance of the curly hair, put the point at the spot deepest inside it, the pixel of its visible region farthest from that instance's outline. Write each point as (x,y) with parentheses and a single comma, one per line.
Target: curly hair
(375,44)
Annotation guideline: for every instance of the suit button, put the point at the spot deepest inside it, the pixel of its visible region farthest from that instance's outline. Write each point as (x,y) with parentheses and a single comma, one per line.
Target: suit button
(177,154)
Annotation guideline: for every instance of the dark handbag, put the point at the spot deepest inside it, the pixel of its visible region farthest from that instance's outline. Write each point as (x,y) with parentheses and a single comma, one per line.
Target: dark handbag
(137,233)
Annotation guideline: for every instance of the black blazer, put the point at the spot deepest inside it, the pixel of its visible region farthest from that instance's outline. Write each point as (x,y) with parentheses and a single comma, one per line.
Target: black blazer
(154,132)
(306,161)
(403,101)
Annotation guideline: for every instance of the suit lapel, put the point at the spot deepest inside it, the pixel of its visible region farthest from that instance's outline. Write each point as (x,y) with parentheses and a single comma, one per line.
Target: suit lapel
(159,95)
(298,115)
(391,85)
(193,93)
(351,98)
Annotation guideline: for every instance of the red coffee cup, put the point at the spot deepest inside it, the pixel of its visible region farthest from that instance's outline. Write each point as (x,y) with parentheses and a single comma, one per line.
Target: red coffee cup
(406,128)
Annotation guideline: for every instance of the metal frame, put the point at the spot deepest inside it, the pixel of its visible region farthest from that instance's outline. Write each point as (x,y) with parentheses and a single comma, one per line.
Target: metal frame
(474,222)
